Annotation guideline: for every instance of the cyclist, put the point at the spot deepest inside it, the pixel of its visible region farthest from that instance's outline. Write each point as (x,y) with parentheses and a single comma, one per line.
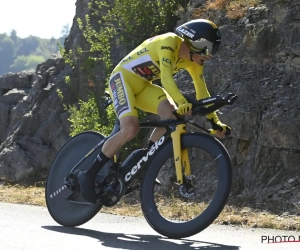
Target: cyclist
(131,87)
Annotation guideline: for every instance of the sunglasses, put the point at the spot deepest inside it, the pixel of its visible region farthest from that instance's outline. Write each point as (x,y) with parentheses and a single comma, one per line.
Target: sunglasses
(203,47)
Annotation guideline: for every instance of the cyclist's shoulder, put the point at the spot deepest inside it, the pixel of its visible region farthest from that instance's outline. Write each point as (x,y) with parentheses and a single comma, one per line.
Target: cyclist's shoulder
(169,35)
(167,38)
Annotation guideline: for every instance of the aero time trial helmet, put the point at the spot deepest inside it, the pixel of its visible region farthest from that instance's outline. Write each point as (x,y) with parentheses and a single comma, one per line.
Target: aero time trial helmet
(202,36)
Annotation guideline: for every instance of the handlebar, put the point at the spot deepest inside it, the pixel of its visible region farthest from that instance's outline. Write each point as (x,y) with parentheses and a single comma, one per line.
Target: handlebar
(208,105)
(201,107)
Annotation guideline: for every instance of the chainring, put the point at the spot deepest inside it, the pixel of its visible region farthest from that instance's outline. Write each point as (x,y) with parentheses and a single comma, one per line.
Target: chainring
(112,189)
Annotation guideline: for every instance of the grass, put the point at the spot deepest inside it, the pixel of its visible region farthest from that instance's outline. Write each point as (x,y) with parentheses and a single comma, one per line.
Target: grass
(231,215)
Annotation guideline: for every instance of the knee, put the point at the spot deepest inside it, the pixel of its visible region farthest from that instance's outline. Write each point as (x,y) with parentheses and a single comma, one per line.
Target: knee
(129,131)
(165,110)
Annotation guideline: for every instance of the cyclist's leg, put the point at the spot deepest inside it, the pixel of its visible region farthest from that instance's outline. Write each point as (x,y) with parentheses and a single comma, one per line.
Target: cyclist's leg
(123,97)
(124,88)
(129,127)
(153,99)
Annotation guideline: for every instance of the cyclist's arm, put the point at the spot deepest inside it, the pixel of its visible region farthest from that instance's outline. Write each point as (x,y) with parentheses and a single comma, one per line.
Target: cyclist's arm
(196,72)
(166,59)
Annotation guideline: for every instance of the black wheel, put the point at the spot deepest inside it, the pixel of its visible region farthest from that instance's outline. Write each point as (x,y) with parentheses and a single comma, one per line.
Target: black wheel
(66,207)
(179,211)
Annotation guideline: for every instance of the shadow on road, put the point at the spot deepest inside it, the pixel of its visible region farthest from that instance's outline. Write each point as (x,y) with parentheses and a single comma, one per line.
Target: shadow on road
(139,241)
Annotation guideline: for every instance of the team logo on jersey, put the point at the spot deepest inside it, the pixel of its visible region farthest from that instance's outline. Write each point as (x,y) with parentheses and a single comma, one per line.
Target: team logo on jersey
(127,59)
(119,94)
(147,70)
(144,50)
(167,47)
(167,62)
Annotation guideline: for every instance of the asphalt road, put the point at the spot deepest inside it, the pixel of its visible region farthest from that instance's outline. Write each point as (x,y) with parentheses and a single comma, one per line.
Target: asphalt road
(31,227)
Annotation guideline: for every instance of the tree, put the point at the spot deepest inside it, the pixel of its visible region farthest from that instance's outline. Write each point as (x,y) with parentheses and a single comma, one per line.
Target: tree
(29,45)
(6,54)
(18,54)
(123,21)
(26,63)
(13,35)
(65,31)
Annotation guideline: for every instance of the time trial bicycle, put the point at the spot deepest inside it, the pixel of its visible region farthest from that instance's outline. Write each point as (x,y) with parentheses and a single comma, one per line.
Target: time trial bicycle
(184,178)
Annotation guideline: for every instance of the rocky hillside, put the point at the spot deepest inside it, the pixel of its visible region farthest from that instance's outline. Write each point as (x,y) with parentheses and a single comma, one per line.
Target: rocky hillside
(259,60)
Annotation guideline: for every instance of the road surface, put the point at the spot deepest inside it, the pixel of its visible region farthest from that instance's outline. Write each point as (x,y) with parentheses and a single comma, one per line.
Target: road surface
(32,228)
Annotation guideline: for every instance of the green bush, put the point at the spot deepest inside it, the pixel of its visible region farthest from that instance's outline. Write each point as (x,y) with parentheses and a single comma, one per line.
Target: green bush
(86,117)
(127,22)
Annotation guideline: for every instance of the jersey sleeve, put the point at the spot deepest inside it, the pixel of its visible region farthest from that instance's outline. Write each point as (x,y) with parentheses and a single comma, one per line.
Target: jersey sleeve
(166,50)
(196,72)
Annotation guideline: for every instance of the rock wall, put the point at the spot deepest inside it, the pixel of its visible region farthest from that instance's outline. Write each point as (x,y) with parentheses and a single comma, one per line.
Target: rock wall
(33,122)
(259,60)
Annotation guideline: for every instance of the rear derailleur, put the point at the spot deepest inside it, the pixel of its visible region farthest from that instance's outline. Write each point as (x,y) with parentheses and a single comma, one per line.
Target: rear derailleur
(71,181)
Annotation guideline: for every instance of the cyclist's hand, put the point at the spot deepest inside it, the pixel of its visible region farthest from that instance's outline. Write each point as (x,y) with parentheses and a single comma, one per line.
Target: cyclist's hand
(183,107)
(218,128)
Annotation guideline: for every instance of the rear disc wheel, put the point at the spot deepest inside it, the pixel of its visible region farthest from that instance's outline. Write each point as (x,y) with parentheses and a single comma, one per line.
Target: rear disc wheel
(68,207)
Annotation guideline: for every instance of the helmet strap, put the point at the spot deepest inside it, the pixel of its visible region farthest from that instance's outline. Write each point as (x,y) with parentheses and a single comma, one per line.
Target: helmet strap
(191,55)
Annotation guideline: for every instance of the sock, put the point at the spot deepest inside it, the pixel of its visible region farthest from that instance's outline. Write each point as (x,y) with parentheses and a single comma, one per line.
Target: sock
(97,165)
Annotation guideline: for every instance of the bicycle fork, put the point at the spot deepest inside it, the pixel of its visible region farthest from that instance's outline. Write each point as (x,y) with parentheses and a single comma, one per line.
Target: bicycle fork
(180,155)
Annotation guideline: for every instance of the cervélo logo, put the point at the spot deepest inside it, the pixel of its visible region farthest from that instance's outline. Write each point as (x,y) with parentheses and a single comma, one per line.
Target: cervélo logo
(145,158)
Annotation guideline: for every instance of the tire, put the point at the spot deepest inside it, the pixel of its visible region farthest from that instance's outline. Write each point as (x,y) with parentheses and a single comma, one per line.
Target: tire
(77,211)
(173,211)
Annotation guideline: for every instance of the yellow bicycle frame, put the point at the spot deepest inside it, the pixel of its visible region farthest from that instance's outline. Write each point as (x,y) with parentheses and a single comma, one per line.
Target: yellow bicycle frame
(115,159)
(181,157)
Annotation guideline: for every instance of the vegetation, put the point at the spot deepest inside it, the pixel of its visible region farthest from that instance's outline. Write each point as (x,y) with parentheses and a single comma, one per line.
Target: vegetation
(17,54)
(123,19)
(126,23)
(110,23)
